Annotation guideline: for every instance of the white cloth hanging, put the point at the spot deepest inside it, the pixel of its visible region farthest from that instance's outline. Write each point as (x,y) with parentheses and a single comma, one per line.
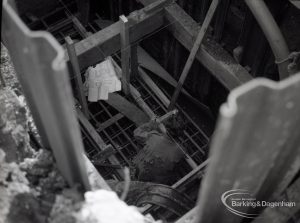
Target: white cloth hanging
(102,80)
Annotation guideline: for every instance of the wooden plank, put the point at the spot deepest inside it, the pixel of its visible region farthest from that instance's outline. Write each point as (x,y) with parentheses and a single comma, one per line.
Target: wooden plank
(109,122)
(211,55)
(125,53)
(96,137)
(127,108)
(79,27)
(154,87)
(139,100)
(76,70)
(146,61)
(89,128)
(164,99)
(194,50)
(135,94)
(191,175)
(107,41)
(115,100)
(161,95)
(103,155)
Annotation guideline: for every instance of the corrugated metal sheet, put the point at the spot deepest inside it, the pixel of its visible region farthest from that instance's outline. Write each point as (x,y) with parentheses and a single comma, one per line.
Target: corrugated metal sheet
(41,69)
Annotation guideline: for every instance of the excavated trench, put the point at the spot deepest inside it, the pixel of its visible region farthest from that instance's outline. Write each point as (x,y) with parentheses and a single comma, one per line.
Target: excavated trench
(173,156)
(162,158)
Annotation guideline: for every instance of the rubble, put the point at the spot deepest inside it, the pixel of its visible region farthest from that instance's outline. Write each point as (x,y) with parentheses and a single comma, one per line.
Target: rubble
(31,187)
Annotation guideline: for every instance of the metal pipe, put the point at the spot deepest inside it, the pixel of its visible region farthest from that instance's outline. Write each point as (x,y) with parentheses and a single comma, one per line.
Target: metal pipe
(273,34)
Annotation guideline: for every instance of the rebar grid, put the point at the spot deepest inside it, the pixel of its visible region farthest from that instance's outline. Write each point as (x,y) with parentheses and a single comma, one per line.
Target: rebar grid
(120,133)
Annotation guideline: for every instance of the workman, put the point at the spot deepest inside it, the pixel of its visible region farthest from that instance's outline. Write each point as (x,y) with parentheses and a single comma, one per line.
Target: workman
(160,156)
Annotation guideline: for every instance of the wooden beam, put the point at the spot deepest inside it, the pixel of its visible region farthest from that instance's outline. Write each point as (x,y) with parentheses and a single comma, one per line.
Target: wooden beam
(161,95)
(190,176)
(100,157)
(211,55)
(90,129)
(96,137)
(107,41)
(121,104)
(158,92)
(138,98)
(109,122)
(146,61)
(118,102)
(79,27)
(194,50)
(125,53)
(128,109)
(135,94)
(76,71)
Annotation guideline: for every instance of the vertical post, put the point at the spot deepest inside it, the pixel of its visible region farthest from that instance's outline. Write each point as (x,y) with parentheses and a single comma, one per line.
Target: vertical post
(79,27)
(125,53)
(76,70)
(190,60)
